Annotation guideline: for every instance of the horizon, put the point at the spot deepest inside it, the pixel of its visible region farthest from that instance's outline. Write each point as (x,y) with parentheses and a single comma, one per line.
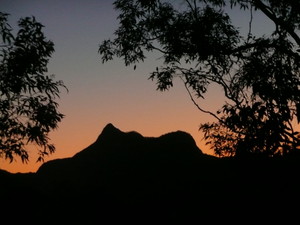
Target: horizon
(14,167)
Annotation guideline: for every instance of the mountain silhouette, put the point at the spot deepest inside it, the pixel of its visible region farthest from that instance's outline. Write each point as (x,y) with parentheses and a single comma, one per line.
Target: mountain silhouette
(115,149)
(125,168)
(126,177)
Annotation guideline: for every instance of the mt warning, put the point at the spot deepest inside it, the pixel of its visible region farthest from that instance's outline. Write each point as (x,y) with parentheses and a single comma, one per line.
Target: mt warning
(124,176)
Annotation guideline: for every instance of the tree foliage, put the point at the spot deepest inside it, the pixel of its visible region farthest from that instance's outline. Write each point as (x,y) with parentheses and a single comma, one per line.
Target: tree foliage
(200,44)
(28,110)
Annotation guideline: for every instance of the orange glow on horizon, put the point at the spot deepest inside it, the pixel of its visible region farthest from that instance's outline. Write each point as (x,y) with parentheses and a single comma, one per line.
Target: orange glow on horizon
(65,149)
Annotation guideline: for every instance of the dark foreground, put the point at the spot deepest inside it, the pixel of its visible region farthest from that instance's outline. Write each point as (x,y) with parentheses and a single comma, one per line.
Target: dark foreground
(126,178)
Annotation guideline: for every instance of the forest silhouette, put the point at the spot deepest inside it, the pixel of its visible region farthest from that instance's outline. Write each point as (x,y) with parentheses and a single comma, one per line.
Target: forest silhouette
(126,177)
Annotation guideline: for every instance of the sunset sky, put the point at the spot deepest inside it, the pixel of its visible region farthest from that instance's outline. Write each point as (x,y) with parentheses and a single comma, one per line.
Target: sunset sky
(106,93)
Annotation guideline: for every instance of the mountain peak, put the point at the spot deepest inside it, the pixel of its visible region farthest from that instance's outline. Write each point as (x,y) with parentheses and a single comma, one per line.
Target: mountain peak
(110,128)
(109,131)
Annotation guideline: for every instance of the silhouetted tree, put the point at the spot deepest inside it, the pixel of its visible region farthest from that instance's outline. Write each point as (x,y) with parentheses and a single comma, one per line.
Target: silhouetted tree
(198,43)
(28,110)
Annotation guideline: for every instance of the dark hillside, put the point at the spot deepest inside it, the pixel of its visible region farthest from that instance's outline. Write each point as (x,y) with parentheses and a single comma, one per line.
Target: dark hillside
(124,176)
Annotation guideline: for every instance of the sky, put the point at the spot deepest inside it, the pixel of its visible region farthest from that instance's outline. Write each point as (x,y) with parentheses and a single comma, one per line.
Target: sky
(105,93)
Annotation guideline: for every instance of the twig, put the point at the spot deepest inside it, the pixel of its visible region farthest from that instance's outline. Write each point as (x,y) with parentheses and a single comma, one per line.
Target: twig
(195,103)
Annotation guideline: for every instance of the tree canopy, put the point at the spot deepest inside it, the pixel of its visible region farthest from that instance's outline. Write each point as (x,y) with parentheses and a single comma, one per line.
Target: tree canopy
(28,110)
(259,74)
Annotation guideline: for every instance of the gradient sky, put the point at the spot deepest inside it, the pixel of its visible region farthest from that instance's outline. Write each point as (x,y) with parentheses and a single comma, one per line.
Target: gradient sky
(105,93)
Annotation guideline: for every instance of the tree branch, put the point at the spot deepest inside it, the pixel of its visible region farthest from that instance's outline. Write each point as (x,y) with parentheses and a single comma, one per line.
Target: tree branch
(265,9)
(195,103)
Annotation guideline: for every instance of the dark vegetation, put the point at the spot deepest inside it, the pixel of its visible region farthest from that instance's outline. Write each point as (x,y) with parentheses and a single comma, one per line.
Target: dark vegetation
(28,107)
(125,177)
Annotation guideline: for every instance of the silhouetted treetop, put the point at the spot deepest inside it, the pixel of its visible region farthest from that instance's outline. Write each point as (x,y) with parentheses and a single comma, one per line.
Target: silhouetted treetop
(200,44)
(28,110)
